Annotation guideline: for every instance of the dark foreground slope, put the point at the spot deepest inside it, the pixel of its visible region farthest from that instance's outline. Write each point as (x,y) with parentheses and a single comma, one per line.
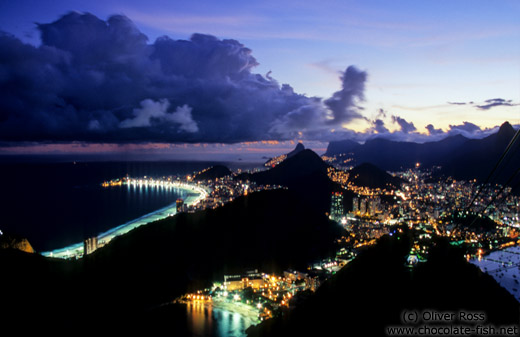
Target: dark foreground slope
(153,264)
(371,293)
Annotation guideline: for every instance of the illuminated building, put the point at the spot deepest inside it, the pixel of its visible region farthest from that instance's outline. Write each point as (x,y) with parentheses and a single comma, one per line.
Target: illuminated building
(251,279)
(374,206)
(233,282)
(294,275)
(255,282)
(371,207)
(355,205)
(363,206)
(180,205)
(90,245)
(336,208)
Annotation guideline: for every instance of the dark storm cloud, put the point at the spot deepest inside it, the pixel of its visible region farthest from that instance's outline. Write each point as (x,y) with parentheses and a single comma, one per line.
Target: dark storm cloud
(379,126)
(102,81)
(406,127)
(343,102)
(466,128)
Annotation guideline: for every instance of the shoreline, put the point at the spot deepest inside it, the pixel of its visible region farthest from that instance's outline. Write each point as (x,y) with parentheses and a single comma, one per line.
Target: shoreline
(244,310)
(237,317)
(194,193)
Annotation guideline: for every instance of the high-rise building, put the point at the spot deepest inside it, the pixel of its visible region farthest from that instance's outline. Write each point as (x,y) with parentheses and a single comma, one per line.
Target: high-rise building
(90,245)
(379,206)
(374,206)
(363,206)
(371,207)
(337,209)
(355,205)
(180,205)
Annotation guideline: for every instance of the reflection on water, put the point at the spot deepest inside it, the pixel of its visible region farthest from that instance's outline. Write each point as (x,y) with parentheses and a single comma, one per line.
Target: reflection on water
(206,320)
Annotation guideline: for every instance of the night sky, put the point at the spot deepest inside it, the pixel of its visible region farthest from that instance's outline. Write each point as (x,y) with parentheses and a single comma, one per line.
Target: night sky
(237,78)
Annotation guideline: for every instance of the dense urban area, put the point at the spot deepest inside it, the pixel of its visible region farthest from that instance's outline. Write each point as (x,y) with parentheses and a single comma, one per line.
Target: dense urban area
(478,218)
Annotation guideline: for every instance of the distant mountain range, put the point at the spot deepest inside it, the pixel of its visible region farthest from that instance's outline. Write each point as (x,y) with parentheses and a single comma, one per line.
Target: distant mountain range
(458,156)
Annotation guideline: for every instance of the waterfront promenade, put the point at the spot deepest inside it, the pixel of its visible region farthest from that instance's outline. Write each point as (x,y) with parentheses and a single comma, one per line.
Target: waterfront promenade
(195,194)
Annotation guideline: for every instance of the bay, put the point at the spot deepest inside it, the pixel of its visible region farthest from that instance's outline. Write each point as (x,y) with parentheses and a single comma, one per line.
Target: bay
(55,204)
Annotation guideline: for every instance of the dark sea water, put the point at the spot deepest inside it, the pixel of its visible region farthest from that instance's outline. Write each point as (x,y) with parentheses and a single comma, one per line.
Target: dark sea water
(199,320)
(57,204)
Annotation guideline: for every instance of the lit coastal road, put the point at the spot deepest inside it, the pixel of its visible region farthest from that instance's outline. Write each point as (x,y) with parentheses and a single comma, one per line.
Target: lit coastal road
(197,193)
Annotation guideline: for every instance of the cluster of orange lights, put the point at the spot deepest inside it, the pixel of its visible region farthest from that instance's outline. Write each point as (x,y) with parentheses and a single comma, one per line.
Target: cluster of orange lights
(112,183)
(266,314)
(365,243)
(198,297)
(286,298)
(276,160)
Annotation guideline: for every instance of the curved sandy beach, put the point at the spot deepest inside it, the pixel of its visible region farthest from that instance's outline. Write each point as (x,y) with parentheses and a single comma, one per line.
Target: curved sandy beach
(195,195)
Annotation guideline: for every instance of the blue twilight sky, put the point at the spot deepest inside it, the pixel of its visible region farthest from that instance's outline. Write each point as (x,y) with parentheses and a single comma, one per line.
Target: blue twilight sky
(420,57)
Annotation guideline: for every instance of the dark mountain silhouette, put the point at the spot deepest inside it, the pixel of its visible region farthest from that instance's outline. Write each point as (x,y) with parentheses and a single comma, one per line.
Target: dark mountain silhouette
(393,156)
(153,264)
(304,173)
(299,148)
(341,147)
(299,165)
(471,222)
(217,171)
(371,293)
(477,157)
(459,156)
(369,175)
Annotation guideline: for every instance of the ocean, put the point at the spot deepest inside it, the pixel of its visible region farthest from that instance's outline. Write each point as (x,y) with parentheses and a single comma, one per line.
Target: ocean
(55,204)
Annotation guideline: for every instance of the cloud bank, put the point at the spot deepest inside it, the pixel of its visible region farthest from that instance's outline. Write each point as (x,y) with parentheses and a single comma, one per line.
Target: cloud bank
(99,81)
(407,132)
